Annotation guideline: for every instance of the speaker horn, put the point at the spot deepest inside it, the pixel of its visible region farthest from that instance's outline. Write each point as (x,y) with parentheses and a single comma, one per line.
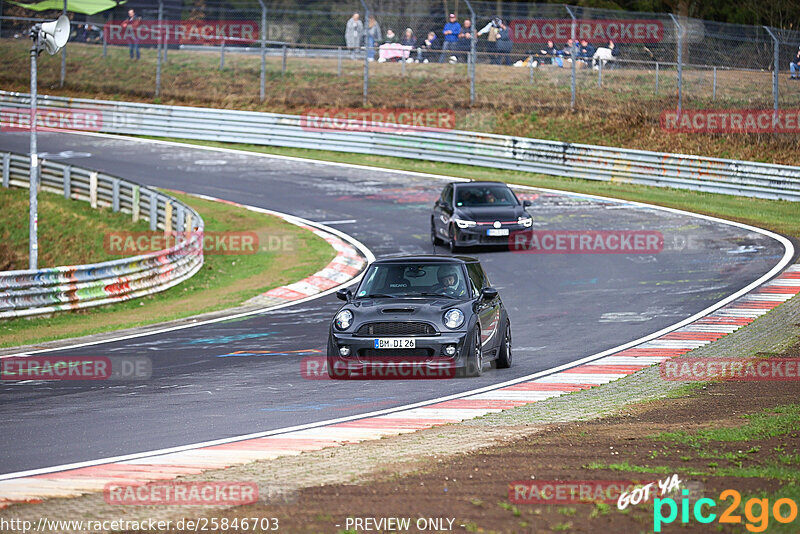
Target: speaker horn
(55,34)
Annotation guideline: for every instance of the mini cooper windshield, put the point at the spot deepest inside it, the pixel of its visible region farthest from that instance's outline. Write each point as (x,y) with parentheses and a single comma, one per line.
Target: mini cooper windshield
(414,280)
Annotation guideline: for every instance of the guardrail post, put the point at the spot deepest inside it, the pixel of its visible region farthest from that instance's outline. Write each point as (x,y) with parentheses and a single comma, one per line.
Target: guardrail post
(153,211)
(93,189)
(776,68)
(283,64)
(187,227)
(656,78)
(135,206)
(167,216)
(403,66)
(339,61)
(114,195)
(67,182)
(573,55)
(222,55)
(6,168)
(179,227)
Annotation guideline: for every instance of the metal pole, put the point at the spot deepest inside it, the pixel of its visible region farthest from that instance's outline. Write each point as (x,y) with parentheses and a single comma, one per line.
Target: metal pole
(63,54)
(339,61)
(222,55)
(105,44)
(656,78)
(599,73)
(33,214)
(158,61)
(262,92)
(365,90)
(283,64)
(472,58)
(714,88)
(530,69)
(775,68)
(574,55)
(679,30)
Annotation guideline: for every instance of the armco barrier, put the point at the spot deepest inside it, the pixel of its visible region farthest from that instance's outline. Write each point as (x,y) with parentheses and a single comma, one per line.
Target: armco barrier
(590,162)
(34,292)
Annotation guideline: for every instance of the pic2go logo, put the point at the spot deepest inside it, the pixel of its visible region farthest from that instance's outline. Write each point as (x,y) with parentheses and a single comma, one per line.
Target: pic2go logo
(756,511)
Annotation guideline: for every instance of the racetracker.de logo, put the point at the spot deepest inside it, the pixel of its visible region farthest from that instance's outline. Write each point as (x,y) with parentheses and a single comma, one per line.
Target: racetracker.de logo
(216,243)
(378,368)
(731,121)
(19,368)
(734,369)
(566,492)
(182,493)
(181,31)
(595,31)
(587,242)
(51,119)
(377,120)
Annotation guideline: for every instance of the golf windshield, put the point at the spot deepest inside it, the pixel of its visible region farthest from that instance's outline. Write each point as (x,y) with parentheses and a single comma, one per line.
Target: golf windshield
(414,280)
(473,196)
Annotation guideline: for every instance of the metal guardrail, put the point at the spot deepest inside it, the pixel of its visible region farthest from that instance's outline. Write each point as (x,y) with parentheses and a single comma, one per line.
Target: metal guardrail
(732,177)
(35,292)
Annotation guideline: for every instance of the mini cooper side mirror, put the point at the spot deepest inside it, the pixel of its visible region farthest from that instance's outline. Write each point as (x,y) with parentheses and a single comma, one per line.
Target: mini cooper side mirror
(344,294)
(489,293)
(527,203)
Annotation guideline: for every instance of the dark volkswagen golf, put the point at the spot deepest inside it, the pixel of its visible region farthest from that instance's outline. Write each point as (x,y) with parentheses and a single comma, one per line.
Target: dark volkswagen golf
(437,312)
(478,213)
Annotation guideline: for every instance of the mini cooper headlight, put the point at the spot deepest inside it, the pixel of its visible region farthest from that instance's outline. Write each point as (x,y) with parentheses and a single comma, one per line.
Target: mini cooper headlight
(453,318)
(527,222)
(461,223)
(343,320)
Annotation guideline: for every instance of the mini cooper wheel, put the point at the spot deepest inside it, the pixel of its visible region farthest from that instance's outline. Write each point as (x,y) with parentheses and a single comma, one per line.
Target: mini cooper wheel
(504,358)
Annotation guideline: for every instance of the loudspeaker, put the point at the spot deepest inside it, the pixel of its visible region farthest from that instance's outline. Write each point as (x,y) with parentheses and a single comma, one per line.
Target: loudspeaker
(55,34)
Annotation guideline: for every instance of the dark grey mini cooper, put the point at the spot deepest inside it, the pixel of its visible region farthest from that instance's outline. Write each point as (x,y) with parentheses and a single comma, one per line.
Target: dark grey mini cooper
(435,311)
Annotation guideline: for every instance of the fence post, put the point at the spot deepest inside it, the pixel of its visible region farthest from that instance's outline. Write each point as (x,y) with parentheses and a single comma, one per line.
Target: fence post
(153,211)
(656,78)
(68,182)
(573,55)
(714,88)
(471,61)
(776,68)
(222,55)
(339,62)
(6,168)
(179,226)
(64,53)
(105,44)
(283,64)
(263,82)
(530,70)
(599,73)
(167,216)
(115,195)
(158,61)
(93,189)
(679,34)
(365,89)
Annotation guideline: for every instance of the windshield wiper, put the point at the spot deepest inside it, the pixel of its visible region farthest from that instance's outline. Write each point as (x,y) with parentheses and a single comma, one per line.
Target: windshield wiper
(438,295)
(377,295)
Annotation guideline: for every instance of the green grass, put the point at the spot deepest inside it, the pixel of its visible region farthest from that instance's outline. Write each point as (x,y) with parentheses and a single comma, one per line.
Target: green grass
(776,215)
(778,421)
(224,280)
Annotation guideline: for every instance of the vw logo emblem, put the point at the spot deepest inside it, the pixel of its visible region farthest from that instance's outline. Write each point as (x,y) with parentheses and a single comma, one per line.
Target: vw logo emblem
(497,224)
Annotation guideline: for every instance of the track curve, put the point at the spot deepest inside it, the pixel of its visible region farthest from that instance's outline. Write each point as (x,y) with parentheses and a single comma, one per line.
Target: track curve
(563,307)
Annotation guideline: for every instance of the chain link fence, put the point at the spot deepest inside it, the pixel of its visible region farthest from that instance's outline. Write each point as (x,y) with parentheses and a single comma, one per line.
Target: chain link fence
(562,57)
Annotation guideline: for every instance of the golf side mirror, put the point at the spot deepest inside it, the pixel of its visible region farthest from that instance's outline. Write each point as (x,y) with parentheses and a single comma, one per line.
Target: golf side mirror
(526,203)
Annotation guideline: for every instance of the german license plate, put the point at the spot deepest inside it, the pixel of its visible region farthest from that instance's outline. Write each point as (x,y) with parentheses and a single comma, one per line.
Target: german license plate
(395,343)
(496,232)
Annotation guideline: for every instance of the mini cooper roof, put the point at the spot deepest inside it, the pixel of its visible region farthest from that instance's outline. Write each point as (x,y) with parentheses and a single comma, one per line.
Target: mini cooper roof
(425,258)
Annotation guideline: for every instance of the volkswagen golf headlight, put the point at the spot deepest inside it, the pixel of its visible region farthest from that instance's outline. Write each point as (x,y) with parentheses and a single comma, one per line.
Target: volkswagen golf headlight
(343,320)
(453,318)
(527,222)
(462,223)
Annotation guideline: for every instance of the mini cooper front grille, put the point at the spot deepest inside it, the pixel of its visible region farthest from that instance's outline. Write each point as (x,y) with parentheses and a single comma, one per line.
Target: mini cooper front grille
(396,329)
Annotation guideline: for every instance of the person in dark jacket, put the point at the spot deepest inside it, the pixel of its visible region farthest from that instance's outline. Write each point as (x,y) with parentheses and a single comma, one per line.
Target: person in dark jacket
(585,51)
(427,50)
(794,67)
(554,53)
(504,44)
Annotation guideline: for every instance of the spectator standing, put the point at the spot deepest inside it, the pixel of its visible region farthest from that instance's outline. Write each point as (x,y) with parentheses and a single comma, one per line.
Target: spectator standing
(465,39)
(451,30)
(491,29)
(133,22)
(503,44)
(353,34)
(374,37)
(794,67)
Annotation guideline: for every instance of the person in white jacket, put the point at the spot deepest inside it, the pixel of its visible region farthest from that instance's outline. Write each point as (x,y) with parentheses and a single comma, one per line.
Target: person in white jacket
(354,34)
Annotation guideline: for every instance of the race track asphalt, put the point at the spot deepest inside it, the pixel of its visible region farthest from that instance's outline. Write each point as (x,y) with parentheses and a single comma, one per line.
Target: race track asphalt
(562,306)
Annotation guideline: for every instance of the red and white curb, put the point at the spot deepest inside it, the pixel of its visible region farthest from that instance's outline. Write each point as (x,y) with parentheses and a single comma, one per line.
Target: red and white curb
(193,461)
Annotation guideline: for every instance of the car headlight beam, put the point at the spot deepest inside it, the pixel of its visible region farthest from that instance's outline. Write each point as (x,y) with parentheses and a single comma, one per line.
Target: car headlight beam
(453,318)
(343,320)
